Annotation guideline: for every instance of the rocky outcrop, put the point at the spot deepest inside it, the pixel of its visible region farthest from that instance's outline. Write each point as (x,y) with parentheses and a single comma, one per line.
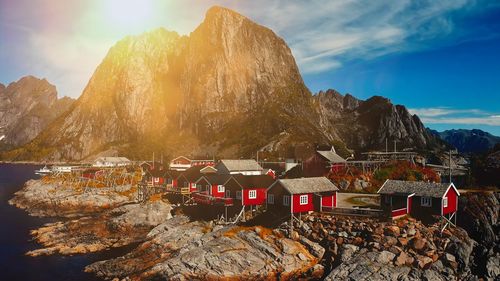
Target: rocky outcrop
(27,107)
(60,199)
(114,228)
(367,249)
(479,214)
(183,250)
(363,125)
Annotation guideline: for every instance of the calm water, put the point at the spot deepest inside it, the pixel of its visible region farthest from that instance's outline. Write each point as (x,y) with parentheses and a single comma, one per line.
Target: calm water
(15,240)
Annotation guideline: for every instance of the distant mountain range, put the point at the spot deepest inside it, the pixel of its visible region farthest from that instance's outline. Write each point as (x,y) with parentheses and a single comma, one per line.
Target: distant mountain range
(27,107)
(469,141)
(230,88)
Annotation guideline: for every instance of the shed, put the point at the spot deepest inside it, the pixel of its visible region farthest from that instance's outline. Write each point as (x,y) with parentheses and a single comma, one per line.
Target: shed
(419,199)
(302,194)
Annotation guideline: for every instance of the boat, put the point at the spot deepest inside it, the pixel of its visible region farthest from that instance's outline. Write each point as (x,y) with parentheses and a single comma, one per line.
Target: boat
(43,171)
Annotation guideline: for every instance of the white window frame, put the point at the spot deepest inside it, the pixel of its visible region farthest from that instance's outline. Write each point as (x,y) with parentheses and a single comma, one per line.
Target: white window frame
(270,199)
(238,194)
(252,194)
(445,202)
(221,188)
(228,193)
(304,199)
(426,201)
(286,200)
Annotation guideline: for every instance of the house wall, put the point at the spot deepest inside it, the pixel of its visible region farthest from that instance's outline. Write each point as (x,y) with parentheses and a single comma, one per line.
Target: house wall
(329,200)
(215,191)
(398,202)
(452,202)
(297,208)
(260,200)
(278,191)
(315,166)
(419,211)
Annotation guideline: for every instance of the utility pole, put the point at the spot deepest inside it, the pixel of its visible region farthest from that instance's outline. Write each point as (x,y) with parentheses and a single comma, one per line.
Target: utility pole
(449,164)
(386,150)
(395,145)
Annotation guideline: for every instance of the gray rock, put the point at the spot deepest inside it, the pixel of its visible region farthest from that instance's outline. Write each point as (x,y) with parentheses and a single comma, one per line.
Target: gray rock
(385,257)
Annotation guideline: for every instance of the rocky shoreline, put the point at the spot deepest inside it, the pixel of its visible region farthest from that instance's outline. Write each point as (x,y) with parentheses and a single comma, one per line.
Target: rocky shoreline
(170,247)
(322,246)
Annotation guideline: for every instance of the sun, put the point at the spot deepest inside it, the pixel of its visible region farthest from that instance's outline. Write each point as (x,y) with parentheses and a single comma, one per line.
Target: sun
(129,13)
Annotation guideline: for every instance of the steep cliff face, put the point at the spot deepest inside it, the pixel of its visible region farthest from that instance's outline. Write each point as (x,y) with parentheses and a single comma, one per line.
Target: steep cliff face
(27,107)
(367,124)
(231,86)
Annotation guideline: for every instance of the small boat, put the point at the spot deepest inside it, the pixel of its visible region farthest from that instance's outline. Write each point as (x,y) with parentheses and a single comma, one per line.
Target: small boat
(43,171)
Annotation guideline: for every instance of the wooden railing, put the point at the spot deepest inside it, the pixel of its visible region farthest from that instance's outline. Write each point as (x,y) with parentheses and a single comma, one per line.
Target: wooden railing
(206,199)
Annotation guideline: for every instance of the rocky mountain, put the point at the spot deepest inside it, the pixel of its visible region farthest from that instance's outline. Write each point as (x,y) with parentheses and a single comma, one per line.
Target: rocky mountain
(366,124)
(470,141)
(230,88)
(27,107)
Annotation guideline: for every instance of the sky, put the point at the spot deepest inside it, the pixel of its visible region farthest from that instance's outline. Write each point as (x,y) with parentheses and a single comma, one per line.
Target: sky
(441,59)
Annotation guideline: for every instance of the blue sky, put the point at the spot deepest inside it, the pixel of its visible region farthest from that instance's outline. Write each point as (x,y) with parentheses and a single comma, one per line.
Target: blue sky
(439,58)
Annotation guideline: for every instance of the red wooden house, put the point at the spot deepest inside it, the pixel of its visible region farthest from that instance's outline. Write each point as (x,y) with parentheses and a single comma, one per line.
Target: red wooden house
(322,162)
(212,191)
(248,190)
(188,178)
(302,195)
(419,199)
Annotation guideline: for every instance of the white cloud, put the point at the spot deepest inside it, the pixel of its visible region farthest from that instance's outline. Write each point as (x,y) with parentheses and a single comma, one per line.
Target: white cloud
(442,111)
(445,115)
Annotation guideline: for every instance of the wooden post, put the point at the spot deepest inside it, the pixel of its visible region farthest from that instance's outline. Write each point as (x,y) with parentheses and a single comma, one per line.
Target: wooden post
(291,225)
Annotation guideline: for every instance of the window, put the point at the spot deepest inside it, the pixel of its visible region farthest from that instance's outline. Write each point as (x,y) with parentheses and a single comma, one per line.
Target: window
(220,188)
(228,193)
(304,199)
(238,194)
(270,198)
(286,200)
(445,202)
(252,194)
(193,185)
(426,201)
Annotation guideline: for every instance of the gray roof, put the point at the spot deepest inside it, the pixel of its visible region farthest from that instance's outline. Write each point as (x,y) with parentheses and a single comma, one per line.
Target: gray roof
(241,165)
(420,188)
(308,185)
(331,156)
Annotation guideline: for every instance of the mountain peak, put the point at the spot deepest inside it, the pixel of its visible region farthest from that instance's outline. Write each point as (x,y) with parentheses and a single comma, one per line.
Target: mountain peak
(220,12)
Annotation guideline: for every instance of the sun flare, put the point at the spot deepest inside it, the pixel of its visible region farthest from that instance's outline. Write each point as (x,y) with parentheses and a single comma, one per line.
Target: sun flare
(130,13)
